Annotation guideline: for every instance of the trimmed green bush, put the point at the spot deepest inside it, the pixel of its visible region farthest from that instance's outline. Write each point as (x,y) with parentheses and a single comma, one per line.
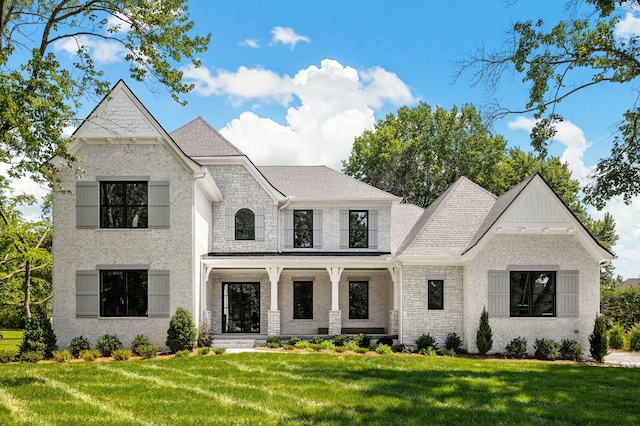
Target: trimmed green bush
(182,331)
(449,352)
(546,349)
(363,340)
(288,347)
(634,338)
(341,349)
(205,335)
(8,355)
(38,335)
(383,349)
(453,342)
(204,351)
(147,351)
(340,339)
(385,340)
(570,350)
(598,342)
(425,341)
(616,336)
(121,354)
(315,340)
(293,340)
(139,340)
(90,355)
(302,345)
(31,356)
(62,356)
(516,349)
(484,335)
(428,351)
(273,342)
(405,349)
(183,353)
(77,345)
(107,344)
(219,351)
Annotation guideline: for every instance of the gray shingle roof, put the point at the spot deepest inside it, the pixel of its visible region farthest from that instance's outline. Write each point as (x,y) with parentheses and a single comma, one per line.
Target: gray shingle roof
(448,225)
(198,139)
(403,218)
(320,182)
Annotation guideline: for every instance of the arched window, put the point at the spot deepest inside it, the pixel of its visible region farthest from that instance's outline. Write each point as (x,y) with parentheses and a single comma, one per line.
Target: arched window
(245,225)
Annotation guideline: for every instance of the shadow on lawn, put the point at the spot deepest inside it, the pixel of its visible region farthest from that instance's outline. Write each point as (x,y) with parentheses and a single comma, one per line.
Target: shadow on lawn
(14,382)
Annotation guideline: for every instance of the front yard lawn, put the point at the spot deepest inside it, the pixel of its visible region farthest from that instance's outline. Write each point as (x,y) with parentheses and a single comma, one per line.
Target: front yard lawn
(10,339)
(316,388)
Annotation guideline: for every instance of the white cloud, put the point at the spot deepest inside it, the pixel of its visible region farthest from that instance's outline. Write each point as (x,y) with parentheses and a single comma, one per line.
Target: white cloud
(286,35)
(118,24)
(101,51)
(336,103)
(250,43)
(629,26)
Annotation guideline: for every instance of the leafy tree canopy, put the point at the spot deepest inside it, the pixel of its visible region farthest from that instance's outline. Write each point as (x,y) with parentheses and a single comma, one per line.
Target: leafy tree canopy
(569,57)
(39,94)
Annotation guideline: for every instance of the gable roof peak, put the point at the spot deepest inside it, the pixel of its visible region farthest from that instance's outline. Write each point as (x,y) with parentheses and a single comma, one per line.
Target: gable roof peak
(198,138)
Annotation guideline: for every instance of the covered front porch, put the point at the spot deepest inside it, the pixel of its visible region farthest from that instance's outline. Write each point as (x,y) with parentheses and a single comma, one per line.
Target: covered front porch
(300,295)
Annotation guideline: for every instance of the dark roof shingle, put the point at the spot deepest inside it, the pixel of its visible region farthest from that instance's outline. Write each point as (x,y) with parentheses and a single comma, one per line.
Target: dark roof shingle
(198,139)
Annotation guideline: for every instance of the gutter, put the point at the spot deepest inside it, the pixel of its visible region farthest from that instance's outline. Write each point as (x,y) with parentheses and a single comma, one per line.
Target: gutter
(287,201)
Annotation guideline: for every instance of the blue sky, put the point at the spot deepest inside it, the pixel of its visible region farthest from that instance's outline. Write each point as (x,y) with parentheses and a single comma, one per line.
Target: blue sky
(293,82)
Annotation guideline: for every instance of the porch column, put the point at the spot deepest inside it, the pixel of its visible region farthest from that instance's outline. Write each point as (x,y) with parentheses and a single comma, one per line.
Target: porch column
(206,314)
(273,315)
(393,313)
(335,315)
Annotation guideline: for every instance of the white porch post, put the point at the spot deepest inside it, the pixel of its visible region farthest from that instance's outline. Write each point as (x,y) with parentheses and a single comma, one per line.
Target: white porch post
(273,315)
(393,313)
(335,315)
(206,314)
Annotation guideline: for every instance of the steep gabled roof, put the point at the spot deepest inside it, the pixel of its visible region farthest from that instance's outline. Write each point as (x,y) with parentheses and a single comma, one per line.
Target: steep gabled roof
(198,139)
(403,218)
(447,226)
(321,183)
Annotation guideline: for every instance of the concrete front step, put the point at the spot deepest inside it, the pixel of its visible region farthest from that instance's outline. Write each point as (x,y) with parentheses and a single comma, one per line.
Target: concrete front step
(237,343)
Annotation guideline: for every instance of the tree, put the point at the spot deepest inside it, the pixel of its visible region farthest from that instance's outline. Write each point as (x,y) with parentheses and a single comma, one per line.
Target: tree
(39,95)
(182,331)
(484,335)
(571,57)
(420,152)
(598,341)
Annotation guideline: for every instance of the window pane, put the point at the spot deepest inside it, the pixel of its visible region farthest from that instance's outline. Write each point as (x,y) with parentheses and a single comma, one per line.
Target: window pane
(136,193)
(245,225)
(303,228)
(358,300)
(435,296)
(112,217)
(137,217)
(137,293)
(123,293)
(303,300)
(112,194)
(123,204)
(358,229)
(532,294)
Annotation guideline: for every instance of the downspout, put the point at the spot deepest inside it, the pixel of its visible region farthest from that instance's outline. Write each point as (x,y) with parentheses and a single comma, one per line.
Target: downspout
(284,206)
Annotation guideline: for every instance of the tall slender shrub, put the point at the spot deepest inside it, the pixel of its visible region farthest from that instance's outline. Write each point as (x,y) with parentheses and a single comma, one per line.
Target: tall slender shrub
(182,331)
(616,336)
(598,342)
(484,335)
(38,335)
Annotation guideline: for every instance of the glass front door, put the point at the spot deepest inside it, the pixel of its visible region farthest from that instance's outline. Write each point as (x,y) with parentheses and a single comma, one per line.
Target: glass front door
(241,307)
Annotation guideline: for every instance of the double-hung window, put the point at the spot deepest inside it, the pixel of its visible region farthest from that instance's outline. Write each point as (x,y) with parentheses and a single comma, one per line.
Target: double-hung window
(303,300)
(358,300)
(303,228)
(358,228)
(123,204)
(532,294)
(435,294)
(123,293)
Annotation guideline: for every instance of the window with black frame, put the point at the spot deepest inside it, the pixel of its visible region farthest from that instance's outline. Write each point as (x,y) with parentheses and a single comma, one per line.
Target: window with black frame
(303,300)
(358,228)
(303,228)
(435,294)
(123,293)
(358,300)
(123,205)
(532,293)
(245,228)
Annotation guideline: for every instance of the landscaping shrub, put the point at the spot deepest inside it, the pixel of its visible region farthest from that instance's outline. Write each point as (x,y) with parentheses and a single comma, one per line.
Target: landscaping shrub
(289,347)
(385,340)
(449,352)
(147,351)
(570,350)
(77,345)
(121,354)
(484,336)
(90,355)
(620,305)
(31,356)
(405,349)
(360,350)
(293,340)
(339,339)
(8,355)
(219,351)
(383,349)
(634,338)
(107,344)
(341,349)
(204,351)
(302,345)
(273,342)
(205,335)
(616,336)
(428,351)
(314,340)
(362,340)
(38,335)
(425,341)
(182,331)
(62,356)
(598,342)
(325,345)
(453,342)
(48,336)
(546,349)
(139,340)
(516,349)
(183,353)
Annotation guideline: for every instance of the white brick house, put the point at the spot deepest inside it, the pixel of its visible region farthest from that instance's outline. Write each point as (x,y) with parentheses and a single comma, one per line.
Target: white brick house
(160,220)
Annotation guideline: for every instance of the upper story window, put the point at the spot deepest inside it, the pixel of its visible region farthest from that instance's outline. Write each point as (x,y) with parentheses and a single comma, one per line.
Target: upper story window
(532,294)
(303,228)
(123,205)
(358,228)
(123,293)
(435,294)
(245,225)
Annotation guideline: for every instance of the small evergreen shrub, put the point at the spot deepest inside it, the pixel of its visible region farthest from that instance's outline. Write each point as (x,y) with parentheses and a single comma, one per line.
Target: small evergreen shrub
(598,342)
(616,336)
(570,350)
(147,351)
(361,350)
(314,340)
(428,351)
(90,355)
(325,345)
(302,345)
(405,349)
(62,356)
(139,340)
(449,352)
(183,353)
(205,335)
(288,347)
(484,335)
(293,340)
(340,339)
(33,337)
(383,349)
(219,351)
(516,349)
(385,340)
(31,356)
(121,354)
(107,344)
(77,345)
(454,342)
(363,340)
(8,355)
(634,338)
(273,342)
(546,349)
(341,349)
(182,331)
(425,341)
(204,351)
(48,336)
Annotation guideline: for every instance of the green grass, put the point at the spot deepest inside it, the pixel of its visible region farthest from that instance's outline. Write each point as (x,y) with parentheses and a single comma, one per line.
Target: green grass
(277,388)
(11,339)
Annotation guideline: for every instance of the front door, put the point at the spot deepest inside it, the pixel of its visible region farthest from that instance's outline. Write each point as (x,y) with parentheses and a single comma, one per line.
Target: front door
(241,307)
